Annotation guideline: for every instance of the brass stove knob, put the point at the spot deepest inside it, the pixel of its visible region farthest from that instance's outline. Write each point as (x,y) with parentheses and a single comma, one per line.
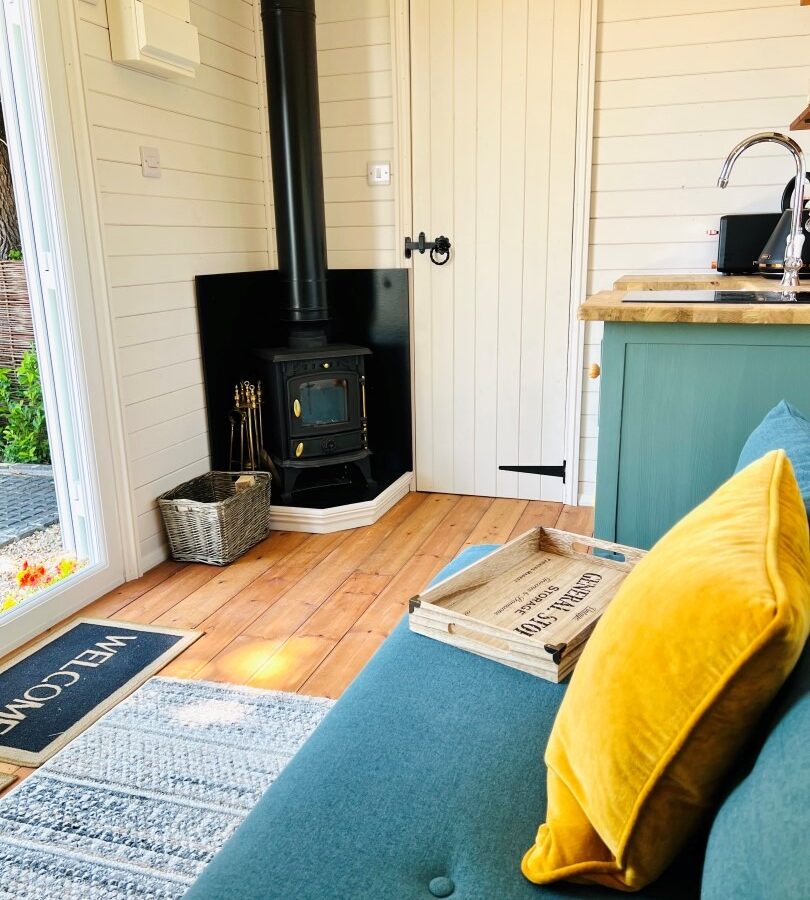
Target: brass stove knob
(297,408)
(299,449)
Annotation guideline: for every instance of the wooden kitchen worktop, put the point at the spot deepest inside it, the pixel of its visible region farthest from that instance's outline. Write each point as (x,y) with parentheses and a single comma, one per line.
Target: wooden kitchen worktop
(607,306)
(699,283)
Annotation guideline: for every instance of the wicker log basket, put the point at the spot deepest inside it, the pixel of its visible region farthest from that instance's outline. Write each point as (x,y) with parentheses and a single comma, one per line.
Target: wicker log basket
(209,521)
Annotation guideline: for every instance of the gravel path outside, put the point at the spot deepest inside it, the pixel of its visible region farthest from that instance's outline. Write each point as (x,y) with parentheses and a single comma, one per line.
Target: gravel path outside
(43,546)
(27,501)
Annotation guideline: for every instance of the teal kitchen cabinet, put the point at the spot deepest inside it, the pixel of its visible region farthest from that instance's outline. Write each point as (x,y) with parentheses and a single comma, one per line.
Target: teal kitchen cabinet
(677,403)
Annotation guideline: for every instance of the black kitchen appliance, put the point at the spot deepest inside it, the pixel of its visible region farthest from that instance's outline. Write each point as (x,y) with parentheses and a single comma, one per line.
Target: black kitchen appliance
(742,238)
(772,258)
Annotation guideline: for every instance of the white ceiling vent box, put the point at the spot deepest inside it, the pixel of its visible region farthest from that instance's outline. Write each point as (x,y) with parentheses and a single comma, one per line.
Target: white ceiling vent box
(154,36)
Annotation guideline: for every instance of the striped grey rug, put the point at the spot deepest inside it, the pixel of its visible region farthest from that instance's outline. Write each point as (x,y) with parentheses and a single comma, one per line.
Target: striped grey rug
(138,804)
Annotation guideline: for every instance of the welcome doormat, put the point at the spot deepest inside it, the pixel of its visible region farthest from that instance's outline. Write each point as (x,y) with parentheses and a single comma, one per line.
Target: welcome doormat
(52,691)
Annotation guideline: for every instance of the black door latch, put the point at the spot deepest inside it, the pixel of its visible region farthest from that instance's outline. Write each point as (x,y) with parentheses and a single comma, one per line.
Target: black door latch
(438,248)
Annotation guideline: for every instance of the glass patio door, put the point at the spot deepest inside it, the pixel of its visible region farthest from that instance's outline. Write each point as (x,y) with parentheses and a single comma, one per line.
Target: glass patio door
(37,103)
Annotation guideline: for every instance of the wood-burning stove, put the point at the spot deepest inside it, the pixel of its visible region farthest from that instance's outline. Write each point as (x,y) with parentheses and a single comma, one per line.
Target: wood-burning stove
(316,397)
(314,412)
(317,409)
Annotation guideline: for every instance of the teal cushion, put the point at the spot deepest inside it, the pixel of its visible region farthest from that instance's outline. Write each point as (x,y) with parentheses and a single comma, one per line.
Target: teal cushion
(784,428)
(759,844)
(425,780)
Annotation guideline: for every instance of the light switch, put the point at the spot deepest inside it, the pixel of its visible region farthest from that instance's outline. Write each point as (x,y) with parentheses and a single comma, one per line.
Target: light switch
(378,173)
(150,162)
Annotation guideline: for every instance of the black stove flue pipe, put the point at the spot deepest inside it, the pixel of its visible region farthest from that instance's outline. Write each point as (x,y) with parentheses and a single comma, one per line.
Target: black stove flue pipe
(295,147)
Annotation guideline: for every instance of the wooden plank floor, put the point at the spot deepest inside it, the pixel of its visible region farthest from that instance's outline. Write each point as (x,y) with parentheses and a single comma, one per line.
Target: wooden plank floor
(305,612)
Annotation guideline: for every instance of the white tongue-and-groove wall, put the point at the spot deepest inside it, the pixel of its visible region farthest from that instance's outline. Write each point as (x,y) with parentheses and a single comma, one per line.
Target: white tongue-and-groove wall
(678,84)
(357,127)
(211,211)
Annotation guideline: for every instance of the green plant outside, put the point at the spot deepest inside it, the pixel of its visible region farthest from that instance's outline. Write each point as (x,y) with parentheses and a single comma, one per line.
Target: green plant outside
(15,255)
(23,431)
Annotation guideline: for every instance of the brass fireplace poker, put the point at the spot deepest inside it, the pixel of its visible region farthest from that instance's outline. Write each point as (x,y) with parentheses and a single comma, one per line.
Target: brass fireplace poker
(246,416)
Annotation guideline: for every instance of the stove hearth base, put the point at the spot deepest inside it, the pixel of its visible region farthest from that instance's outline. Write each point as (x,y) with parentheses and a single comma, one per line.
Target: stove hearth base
(339,509)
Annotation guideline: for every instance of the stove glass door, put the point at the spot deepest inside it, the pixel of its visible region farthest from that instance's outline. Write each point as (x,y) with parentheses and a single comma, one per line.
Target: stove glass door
(324,401)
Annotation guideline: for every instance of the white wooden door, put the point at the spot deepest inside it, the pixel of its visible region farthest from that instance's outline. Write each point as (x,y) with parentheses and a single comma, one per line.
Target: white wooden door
(494,112)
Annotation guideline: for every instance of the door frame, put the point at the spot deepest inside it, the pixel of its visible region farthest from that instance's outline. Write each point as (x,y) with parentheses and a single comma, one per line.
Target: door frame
(581,240)
(403,192)
(400,23)
(51,39)
(71,124)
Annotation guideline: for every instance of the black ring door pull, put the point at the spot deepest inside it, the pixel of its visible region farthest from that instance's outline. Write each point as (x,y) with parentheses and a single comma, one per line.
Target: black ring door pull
(439,249)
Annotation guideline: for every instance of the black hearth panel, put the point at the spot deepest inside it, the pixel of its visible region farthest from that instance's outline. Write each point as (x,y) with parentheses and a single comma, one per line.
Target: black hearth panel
(241,316)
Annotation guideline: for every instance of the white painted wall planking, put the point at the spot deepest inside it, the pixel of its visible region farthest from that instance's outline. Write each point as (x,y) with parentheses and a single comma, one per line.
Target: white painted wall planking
(209,212)
(675,91)
(357,127)
(356,97)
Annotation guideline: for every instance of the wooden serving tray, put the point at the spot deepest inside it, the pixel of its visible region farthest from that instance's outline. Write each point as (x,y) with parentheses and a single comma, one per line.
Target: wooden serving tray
(531,604)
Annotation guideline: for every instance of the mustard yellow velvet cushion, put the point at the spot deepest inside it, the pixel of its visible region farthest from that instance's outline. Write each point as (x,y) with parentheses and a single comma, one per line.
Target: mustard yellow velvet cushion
(689,653)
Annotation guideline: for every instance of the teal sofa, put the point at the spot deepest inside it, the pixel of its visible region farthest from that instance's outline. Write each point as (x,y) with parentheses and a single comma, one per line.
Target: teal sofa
(427,780)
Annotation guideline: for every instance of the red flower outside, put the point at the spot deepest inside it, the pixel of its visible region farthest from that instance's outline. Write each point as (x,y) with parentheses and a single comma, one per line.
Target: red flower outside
(31,576)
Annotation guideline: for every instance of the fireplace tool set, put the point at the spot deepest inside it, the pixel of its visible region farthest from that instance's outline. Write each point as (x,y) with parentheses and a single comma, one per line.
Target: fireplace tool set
(247,427)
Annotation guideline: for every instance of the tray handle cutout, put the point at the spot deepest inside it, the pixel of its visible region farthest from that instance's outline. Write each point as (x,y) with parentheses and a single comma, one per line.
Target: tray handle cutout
(557,541)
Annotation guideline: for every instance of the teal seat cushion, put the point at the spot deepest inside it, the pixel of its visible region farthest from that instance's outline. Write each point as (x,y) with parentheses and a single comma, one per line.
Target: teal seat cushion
(784,428)
(759,844)
(425,780)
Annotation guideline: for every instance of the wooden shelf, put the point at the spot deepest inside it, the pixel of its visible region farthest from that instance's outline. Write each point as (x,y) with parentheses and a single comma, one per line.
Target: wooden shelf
(802,122)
